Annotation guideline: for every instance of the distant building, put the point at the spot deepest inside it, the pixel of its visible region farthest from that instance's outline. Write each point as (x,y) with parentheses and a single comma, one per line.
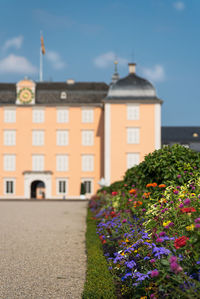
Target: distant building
(56,135)
(186,136)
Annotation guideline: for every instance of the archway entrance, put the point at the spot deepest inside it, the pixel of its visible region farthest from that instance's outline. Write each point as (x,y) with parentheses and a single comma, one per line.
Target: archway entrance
(38,190)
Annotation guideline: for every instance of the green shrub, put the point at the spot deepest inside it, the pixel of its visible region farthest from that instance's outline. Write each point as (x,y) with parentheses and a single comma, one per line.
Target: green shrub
(99,282)
(169,164)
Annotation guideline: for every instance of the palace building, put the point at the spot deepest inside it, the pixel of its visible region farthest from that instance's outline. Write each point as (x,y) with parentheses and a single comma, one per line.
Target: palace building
(56,135)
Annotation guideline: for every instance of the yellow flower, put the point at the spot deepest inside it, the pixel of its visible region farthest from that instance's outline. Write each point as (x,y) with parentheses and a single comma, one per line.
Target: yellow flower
(166,223)
(190,227)
(127,241)
(193,194)
(122,253)
(135,251)
(143,297)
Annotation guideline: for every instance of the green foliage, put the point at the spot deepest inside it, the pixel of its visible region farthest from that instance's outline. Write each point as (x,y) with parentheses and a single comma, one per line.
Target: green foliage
(118,185)
(99,282)
(164,166)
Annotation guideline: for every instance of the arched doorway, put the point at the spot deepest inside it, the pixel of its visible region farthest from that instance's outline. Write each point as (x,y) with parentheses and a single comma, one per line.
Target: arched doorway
(38,190)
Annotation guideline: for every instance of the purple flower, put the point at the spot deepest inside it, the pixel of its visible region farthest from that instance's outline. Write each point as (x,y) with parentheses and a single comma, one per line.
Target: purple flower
(161,234)
(175,268)
(181,205)
(173,259)
(124,220)
(197,225)
(154,273)
(152,261)
(130,264)
(197,220)
(152,296)
(178,176)
(187,201)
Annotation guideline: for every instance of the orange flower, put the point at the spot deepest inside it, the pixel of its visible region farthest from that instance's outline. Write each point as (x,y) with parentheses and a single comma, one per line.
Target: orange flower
(154,184)
(146,194)
(137,203)
(149,185)
(162,186)
(132,191)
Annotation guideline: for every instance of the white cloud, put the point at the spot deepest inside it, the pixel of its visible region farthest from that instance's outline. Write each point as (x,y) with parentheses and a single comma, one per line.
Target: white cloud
(55,60)
(15,42)
(107,59)
(155,74)
(179,5)
(16,64)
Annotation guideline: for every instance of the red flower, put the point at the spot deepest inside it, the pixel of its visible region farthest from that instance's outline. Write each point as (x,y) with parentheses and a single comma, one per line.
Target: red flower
(132,191)
(180,242)
(188,210)
(114,193)
(113,214)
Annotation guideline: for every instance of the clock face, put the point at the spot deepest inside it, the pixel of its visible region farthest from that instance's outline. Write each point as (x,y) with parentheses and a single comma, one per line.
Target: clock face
(25,95)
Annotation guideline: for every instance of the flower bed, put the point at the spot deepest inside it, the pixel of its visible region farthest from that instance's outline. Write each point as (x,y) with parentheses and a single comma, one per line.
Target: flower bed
(151,238)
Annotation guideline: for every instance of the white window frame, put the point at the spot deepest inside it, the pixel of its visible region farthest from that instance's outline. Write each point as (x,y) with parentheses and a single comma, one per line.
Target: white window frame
(128,157)
(87,162)
(62,115)
(38,115)
(133,135)
(63,95)
(37,137)
(91,180)
(62,137)
(87,115)
(87,137)
(10,115)
(13,180)
(58,180)
(9,165)
(9,137)
(133,112)
(38,163)
(62,163)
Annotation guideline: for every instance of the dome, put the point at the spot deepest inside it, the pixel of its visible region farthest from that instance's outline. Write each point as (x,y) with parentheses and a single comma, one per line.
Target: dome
(131,86)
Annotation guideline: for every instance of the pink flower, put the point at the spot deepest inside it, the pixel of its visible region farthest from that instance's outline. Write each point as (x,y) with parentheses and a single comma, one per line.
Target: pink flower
(175,268)
(197,225)
(124,220)
(187,201)
(152,261)
(173,259)
(154,273)
(159,240)
(181,205)
(197,220)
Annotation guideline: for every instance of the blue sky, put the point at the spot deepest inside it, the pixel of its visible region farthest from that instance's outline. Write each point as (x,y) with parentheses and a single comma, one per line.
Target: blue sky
(82,39)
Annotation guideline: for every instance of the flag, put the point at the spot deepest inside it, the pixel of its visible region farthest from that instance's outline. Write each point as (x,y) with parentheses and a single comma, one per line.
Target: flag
(42,45)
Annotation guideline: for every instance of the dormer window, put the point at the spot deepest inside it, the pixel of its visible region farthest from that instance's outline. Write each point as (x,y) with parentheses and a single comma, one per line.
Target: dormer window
(63,95)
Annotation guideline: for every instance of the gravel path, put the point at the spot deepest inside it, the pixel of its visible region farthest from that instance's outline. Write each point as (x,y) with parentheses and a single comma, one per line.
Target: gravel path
(42,249)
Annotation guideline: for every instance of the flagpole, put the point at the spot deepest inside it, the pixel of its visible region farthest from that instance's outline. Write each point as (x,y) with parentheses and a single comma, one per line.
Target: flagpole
(41,60)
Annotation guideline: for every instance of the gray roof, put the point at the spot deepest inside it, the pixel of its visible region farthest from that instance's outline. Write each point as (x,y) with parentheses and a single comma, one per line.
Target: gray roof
(182,135)
(132,87)
(48,93)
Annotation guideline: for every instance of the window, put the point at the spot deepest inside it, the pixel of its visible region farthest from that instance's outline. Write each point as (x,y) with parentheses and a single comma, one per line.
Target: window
(62,137)
(37,162)
(87,115)
(9,137)
(132,112)
(133,135)
(63,95)
(62,115)
(9,115)
(37,137)
(9,162)
(88,183)
(62,186)
(9,186)
(62,163)
(87,162)
(87,137)
(133,159)
(38,115)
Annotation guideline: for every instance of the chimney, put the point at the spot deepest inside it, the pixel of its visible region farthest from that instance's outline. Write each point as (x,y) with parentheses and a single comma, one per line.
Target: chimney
(132,68)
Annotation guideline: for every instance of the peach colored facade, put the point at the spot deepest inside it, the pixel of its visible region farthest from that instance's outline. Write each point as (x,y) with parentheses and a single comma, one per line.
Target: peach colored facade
(119,145)
(24,149)
(46,157)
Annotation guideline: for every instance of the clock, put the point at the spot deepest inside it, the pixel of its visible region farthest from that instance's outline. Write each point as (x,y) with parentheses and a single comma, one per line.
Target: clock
(25,95)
